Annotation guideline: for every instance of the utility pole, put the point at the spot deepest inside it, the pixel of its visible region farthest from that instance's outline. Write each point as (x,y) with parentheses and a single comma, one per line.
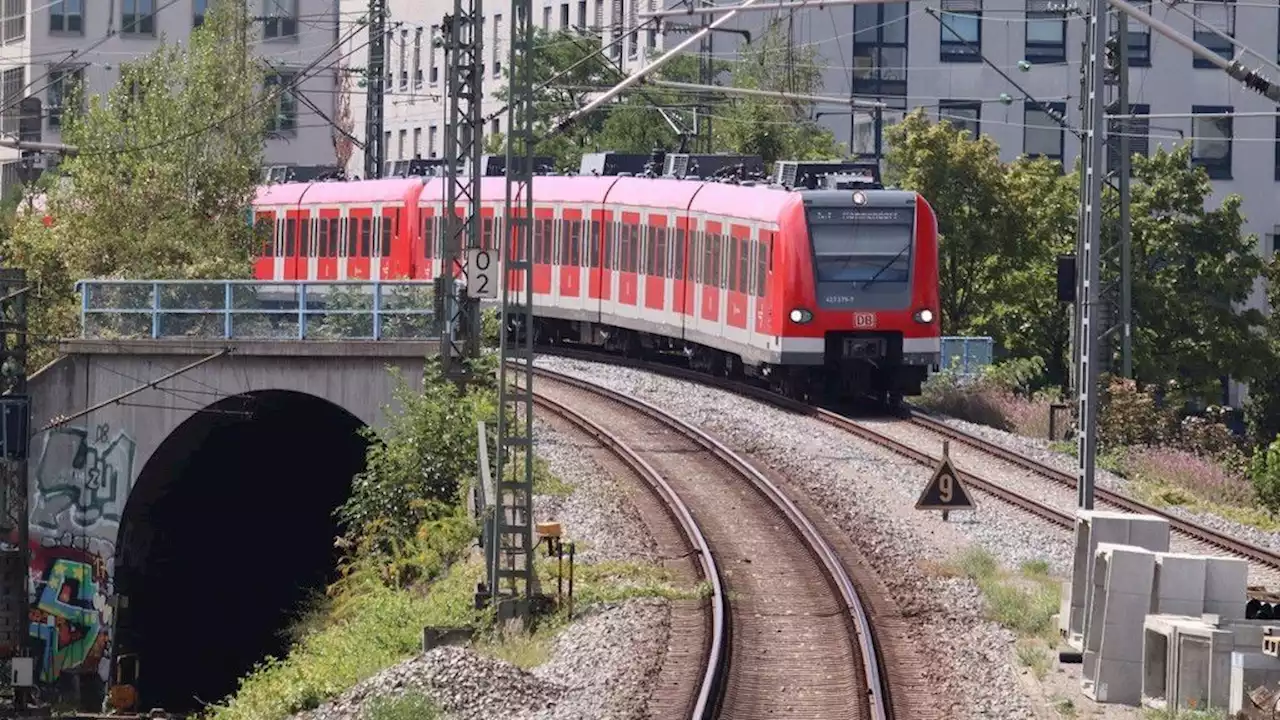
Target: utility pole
(15,424)
(375,94)
(1126,231)
(706,74)
(463,46)
(1087,246)
(513,574)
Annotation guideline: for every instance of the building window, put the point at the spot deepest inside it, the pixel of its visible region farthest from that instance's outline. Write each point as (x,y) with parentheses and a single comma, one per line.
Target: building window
(280,19)
(564,16)
(11,95)
(497,46)
(285,115)
(582,14)
(962,114)
(1140,39)
(431,140)
(401,138)
(1138,130)
(546,17)
(67,16)
(138,17)
(1042,134)
(961,31)
(615,21)
(880,49)
(60,83)
(432,69)
(15,21)
(1220,14)
(1211,141)
(417,58)
(404,66)
(1046,33)
(198,10)
(417,143)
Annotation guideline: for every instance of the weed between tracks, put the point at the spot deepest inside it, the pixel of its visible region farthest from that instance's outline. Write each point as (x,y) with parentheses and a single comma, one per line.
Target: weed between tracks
(1023,601)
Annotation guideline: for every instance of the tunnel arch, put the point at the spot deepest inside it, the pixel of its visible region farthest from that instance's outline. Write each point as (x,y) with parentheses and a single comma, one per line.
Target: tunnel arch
(229,526)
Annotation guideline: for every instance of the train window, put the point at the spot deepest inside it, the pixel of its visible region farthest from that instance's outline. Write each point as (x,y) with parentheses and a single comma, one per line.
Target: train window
(262,228)
(593,245)
(304,237)
(335,237)
(486,233)
(366,236)
(575,243)
(743,248)
(428,234)
(695,255)
(537,242)
(637,239)
(733,281)
(351,240)
(762,260)
(677,264)
(708,275)
(384,249)
(290,236)
(322,237)
(718,256)
(624,243)
(548,240)
(658,238)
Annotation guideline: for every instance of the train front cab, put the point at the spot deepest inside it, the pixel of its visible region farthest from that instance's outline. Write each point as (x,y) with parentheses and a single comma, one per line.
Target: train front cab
(873,256)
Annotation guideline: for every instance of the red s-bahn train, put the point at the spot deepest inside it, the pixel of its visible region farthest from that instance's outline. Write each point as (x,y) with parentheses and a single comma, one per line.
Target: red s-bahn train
(816,292)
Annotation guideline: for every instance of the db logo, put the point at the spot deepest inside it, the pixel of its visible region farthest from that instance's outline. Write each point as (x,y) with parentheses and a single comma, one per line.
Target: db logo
(863,321)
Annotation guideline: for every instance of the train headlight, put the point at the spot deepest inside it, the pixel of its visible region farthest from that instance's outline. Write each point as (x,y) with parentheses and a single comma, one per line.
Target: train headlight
(859,198)
(801,316)
(924,316)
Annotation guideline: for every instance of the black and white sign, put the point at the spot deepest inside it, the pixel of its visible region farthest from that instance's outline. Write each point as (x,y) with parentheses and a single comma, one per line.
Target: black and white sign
(482,273)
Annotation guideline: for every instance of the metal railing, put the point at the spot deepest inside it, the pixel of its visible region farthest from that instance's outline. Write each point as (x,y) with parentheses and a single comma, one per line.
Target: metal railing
(258,309)
(966,355)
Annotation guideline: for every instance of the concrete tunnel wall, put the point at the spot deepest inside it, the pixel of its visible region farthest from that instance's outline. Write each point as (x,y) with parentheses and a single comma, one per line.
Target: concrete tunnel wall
(82,473)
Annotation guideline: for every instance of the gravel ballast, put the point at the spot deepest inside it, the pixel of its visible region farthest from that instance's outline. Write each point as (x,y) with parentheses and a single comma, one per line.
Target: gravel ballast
(871,494)
(602,665)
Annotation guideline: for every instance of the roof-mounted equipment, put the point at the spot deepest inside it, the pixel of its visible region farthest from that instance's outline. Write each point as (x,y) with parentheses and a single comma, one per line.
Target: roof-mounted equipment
(813,175)
(682,165)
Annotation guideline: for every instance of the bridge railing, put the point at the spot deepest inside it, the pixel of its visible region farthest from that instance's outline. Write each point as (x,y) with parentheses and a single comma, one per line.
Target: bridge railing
(263,310)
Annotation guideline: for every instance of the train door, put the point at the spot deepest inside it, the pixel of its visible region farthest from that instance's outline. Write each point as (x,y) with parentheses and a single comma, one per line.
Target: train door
(518,246)
(307,224)
(571,258)
(544,242)
(630,244)
(656,270)
(359,243)
(738,267)
(764,269)
(290,253)
(264,227)
(711,277)
(393,256)
(600,278)
(427,240)
(328,241)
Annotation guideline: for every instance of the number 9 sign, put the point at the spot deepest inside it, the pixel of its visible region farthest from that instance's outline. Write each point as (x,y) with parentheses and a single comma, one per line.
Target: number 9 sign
(482,273)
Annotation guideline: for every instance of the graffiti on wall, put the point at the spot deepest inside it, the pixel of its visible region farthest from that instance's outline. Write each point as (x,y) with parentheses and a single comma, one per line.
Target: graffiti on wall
(70,613)
(80,484)
(84,474)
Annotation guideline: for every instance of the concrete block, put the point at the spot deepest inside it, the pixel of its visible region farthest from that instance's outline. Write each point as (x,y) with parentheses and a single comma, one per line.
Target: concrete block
(1250,670)
(1203,669)
(1094,527)
(1117,682)
(1178,578)
(1228,611)
(1227,580)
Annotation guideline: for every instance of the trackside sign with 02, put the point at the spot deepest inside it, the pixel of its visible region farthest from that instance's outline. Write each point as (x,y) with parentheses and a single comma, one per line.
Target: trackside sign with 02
(482,273)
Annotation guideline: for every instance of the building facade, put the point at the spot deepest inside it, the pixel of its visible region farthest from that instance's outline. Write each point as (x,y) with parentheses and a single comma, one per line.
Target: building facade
(44,42)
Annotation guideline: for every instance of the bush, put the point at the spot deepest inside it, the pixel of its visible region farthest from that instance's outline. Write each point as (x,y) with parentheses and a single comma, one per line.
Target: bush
(1201,476)
(1266,477)
(1001,396)
(1131,416)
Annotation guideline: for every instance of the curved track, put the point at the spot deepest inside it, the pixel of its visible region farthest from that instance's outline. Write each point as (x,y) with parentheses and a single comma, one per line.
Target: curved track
(1260,556)
(790,636)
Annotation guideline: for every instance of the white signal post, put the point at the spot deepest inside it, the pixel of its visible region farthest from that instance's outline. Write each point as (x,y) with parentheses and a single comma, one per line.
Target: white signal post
(483,274)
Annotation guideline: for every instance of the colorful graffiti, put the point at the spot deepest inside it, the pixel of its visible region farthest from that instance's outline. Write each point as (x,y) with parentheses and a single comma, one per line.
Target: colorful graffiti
(80,483)
(83,475)
(70,612)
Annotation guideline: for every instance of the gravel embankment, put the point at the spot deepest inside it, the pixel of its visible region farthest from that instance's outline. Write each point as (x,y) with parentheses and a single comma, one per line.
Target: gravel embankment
(1040,451)
(600,666)
(871,494)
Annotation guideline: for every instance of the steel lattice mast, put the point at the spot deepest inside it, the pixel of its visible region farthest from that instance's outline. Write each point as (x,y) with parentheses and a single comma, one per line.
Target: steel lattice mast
(513,576)
(376,77)
(463,40)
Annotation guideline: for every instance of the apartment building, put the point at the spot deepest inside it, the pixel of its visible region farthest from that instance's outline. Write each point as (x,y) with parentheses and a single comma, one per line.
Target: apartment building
(415,110)
(45,42)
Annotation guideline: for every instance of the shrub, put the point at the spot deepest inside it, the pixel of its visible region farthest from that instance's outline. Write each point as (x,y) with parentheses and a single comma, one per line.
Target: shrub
(1131,416)
(950,393)
(1266,477)
(1001,396)
(1203,477)
(1208,434)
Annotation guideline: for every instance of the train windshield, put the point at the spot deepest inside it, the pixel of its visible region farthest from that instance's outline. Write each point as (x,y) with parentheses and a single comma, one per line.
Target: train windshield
(861,245)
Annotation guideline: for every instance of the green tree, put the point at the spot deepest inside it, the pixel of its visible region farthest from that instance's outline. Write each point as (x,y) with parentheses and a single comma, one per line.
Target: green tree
(978,223)
(1194,270)
(1024,313)
(1262,413)
(166,164)
(775,129)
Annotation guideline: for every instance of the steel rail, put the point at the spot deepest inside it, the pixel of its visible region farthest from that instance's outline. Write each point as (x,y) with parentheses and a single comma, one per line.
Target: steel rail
(1187,528)
(717,660)
(877,682)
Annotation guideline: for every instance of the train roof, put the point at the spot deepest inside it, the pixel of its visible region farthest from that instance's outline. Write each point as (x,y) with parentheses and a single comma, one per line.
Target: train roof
(749,202)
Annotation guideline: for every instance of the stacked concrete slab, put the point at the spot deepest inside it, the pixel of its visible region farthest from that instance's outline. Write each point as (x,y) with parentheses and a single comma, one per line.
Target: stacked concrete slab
(1119,601)
(1204,662)
(1251,670)
(1094,527)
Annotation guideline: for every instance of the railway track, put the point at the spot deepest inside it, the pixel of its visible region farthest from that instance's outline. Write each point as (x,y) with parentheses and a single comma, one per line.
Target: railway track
(789,635)
(1264,558)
